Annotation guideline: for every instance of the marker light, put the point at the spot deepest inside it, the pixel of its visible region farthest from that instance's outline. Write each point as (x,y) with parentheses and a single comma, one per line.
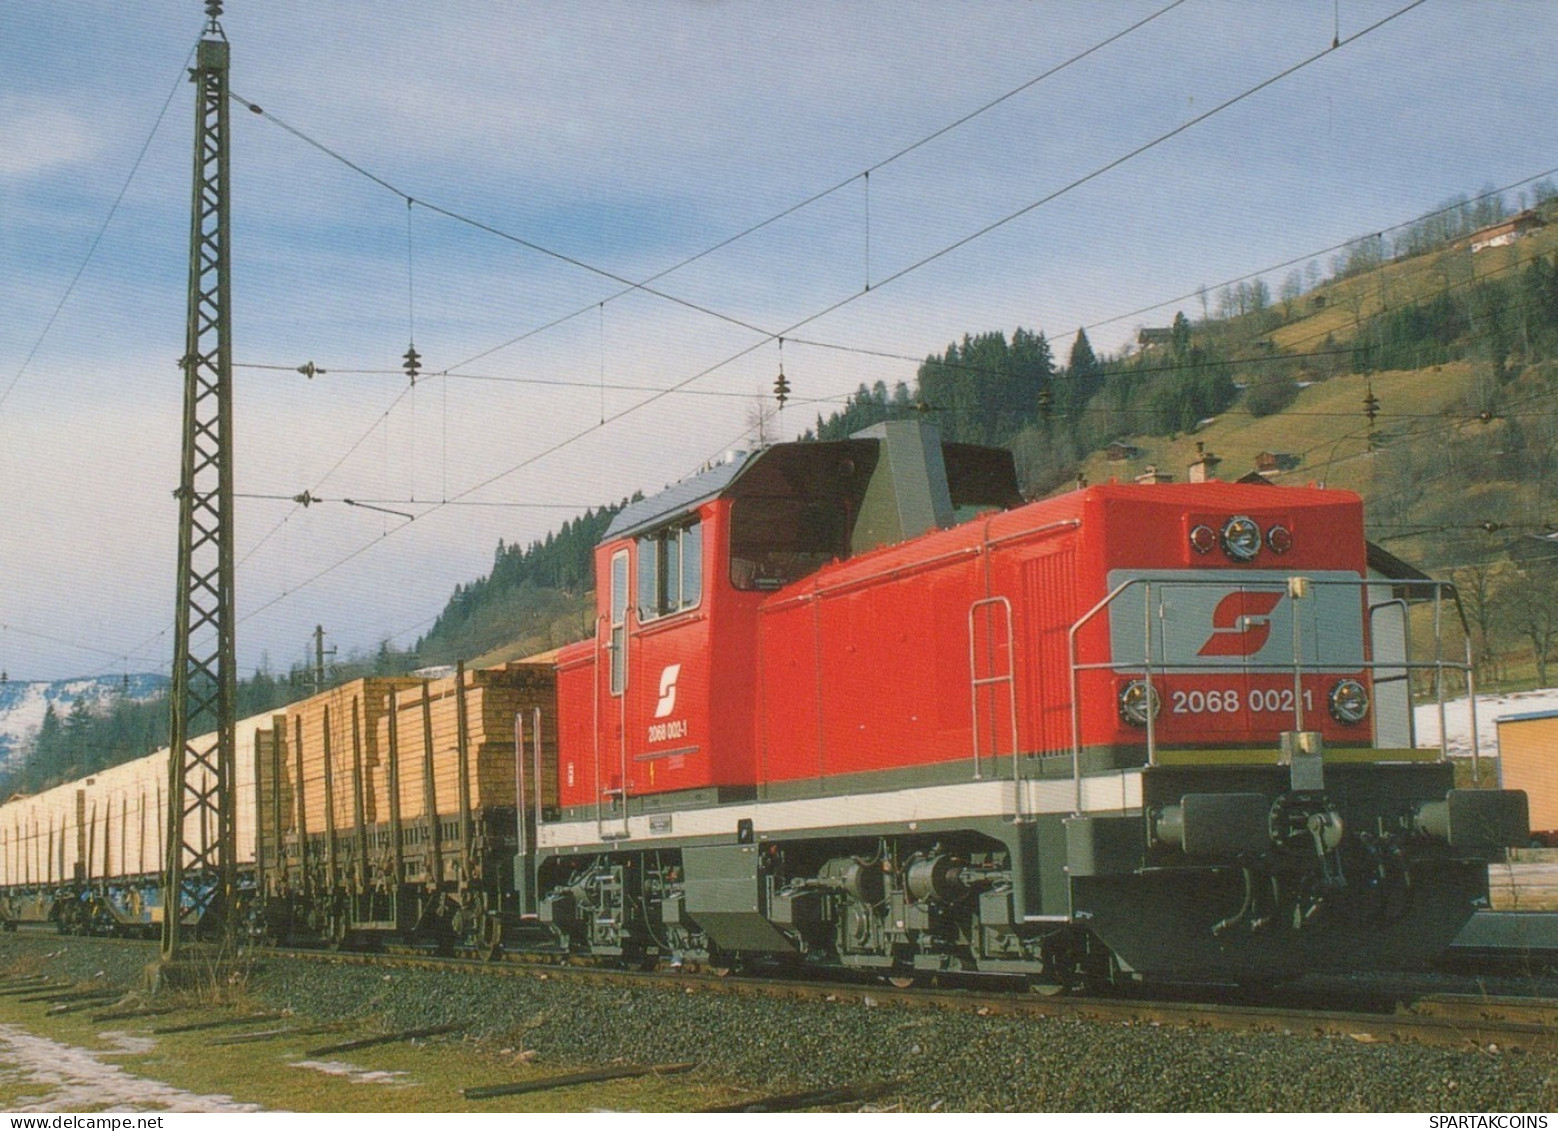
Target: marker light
(1279,539)
(1349,702)
(1241,538)
(1137,700)
(1203,539)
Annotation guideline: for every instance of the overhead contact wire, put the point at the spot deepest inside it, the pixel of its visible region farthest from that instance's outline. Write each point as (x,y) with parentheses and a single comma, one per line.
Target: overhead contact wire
(113,210)
(767,337)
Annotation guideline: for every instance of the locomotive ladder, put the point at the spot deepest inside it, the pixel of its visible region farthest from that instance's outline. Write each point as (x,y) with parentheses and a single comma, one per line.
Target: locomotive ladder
(527,812)
(998,648)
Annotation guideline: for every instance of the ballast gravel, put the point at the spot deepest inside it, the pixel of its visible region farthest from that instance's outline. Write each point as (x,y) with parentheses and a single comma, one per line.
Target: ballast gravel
(942,1060)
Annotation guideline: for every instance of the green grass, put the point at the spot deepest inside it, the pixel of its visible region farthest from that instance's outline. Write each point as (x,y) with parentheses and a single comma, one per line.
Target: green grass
(1324,428)
(429,1075)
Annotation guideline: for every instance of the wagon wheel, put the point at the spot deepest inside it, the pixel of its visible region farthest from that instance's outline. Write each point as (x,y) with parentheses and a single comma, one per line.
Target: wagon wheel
(485,928)
(492,938)
(900,981)
(338,930)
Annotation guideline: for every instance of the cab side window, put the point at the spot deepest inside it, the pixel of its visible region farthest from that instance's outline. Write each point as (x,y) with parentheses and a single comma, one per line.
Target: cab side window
(670,570)
(619,617)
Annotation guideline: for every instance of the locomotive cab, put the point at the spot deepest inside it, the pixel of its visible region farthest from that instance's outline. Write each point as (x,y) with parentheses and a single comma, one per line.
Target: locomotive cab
(659,705)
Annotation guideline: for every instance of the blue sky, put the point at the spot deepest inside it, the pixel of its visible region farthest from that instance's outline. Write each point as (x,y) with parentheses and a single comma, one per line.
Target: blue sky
(628,136)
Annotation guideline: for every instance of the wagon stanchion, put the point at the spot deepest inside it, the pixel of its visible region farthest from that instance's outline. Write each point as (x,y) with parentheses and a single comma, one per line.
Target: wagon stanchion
(463,778)
(332,864)
(397,830)
(360,878)
(305,873)
(433,855)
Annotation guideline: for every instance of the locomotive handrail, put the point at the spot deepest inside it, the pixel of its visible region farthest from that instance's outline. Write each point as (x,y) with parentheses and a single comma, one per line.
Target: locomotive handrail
(1438,664)
(1010,679)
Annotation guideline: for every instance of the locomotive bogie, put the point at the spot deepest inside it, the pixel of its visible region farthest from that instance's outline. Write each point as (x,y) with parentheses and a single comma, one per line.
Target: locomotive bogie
(1198,871)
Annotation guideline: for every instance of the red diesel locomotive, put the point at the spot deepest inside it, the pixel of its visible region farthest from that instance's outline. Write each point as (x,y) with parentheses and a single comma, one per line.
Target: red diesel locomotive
(855,704)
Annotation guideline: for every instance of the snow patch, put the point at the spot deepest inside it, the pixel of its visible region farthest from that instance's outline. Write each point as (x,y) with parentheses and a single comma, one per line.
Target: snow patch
(1490,708)
(353,1074)
(23,704)
(74,1079)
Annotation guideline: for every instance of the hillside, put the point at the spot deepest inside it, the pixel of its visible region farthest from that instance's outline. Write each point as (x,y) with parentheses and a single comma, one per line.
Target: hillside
(25,704)
(1457,349)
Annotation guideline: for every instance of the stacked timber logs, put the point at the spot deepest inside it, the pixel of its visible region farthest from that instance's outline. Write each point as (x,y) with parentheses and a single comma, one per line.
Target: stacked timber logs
(427,721)
(364,786)
(319,790)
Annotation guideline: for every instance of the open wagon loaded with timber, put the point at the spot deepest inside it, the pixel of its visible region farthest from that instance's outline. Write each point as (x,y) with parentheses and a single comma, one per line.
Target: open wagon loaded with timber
(389,806)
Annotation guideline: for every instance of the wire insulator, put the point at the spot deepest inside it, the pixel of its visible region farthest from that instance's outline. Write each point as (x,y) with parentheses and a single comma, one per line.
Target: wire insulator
(411,361)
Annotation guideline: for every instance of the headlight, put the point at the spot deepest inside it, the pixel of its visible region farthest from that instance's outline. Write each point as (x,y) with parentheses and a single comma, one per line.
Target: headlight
(1241,538)
(1279,539)
(1349,702)
(1203,539)
(1138,702)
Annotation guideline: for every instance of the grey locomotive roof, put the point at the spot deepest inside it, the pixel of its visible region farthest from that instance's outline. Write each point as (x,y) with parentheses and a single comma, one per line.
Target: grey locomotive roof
(677,499)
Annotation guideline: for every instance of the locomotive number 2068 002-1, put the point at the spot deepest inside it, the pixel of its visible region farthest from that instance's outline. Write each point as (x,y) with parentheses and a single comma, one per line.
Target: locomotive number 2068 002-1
(1229,700)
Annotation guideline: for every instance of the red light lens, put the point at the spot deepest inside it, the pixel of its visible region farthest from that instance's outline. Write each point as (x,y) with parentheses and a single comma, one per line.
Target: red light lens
(1203,539)
(1280,539)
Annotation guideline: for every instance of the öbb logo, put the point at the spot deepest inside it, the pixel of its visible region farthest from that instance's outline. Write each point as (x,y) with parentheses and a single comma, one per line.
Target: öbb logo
(667,703)
(1241,624)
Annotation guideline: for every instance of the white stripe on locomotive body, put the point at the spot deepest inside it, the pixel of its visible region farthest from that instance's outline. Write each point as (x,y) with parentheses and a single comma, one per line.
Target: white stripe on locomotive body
(1188,635)
(991,798)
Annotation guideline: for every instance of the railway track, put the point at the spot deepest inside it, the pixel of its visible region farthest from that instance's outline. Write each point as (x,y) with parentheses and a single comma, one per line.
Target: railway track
(1376,1012)
(1367,1014)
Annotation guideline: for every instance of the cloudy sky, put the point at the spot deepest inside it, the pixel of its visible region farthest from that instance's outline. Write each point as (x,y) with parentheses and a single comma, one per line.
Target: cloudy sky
(555,153)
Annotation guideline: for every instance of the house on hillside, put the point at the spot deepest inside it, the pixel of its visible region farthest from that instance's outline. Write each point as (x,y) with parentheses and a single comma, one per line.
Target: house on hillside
(1270,463)
(1506,232)
(1119,451)
(1154,337)
(1152,475)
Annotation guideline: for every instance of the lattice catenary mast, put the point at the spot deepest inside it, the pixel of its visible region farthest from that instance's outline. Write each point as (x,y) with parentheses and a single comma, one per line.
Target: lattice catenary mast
(201,877)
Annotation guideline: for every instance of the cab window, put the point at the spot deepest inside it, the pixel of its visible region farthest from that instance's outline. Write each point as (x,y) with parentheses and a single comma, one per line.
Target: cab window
(670,570)
(775,541)
(619,617)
